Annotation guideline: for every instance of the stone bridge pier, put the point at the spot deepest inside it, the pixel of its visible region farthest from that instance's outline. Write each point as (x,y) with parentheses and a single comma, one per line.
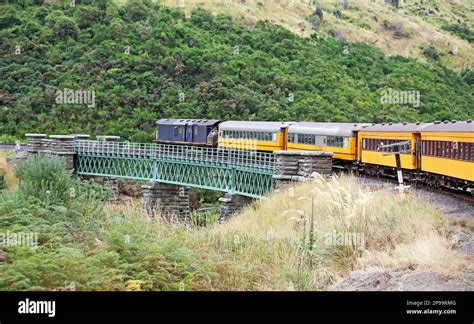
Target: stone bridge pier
(298,166)
(59,145)
(172,201)
(231,204)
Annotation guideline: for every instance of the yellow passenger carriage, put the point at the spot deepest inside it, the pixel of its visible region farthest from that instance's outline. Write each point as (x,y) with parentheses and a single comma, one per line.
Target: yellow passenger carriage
(378,161)
(253,135)
(447,154)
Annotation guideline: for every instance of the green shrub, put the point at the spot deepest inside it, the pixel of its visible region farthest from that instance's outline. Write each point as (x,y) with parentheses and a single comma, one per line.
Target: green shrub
(43,178)
(8,139)
(205,219)
(431,52)
(460,30)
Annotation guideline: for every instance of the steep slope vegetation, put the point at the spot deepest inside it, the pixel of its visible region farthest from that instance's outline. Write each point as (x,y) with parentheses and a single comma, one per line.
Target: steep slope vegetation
(144,61)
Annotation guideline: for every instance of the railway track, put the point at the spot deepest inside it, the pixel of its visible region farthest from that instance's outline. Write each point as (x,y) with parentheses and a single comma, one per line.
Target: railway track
(462,196)
(466,197)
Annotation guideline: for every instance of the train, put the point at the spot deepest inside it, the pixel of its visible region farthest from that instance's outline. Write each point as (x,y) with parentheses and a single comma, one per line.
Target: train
(438,154)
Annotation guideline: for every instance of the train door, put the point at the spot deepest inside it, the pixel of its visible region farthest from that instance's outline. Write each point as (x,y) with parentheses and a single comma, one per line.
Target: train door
(357,146)
(178,133)
(418,148)
(188,133)
(157,134)
(284,132)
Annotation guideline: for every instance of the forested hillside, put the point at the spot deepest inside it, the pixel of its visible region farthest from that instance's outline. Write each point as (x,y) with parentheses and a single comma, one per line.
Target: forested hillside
(143,61)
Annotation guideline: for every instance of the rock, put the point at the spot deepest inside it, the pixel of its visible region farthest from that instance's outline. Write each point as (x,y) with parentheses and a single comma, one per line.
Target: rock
(403,280)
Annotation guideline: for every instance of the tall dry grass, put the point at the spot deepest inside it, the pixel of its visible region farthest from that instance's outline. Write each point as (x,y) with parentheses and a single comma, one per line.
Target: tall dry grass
(350,228)
(311,235)
(9,173)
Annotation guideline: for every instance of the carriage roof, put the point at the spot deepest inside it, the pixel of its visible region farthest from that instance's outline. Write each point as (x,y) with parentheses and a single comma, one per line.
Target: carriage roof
(332,129)
(397,127)
(452,126)
(253,126)
(183,121)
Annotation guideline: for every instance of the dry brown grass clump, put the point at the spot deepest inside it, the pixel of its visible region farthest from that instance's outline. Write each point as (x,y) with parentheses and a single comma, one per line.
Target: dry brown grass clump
(8,172)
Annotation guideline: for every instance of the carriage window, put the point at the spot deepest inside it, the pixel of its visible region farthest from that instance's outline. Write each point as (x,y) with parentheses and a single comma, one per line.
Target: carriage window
(455,150)
(448,149)
(196,130)
(330,141)
(345,142)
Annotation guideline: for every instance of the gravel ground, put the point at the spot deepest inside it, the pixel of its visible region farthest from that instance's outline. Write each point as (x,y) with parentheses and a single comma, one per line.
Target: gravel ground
(451,207)
(461,216)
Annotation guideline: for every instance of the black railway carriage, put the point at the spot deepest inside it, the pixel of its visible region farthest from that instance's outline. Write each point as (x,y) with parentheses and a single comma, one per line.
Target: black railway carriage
(199,132)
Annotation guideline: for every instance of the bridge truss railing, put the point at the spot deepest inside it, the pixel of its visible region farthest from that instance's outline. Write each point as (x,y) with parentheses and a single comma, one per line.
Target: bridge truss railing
(239,158)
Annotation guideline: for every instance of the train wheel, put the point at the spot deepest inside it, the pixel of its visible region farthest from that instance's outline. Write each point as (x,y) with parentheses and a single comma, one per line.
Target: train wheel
(434,183)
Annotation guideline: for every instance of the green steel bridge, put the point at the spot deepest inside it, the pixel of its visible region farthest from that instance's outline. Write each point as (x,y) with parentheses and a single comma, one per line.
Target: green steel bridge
(247,173)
